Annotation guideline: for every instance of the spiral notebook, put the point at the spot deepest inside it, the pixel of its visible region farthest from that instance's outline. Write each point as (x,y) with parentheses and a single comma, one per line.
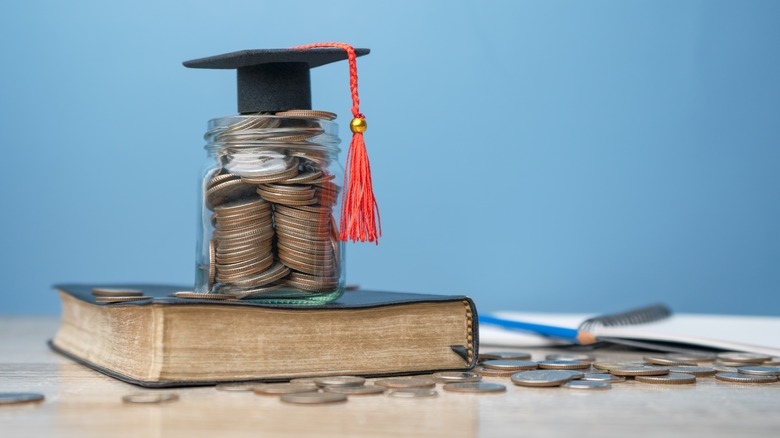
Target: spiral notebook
(671,332)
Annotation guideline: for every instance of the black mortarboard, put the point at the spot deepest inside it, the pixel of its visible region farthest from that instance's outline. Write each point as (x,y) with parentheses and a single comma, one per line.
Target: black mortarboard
(273,80)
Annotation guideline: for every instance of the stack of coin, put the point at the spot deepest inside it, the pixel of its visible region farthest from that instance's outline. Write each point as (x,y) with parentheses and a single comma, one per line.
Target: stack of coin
(272,209)
(243,242)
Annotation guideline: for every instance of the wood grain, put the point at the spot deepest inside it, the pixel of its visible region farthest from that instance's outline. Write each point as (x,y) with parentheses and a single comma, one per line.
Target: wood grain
(83,403)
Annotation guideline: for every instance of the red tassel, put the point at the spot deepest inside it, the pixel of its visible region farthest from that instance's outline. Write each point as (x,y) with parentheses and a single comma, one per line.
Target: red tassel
(359,211)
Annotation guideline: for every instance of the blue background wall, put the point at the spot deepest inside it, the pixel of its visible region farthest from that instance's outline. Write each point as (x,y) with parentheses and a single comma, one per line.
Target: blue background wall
(571,156)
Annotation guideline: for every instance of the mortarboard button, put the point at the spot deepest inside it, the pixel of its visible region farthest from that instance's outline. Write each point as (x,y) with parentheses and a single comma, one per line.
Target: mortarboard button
(273,80)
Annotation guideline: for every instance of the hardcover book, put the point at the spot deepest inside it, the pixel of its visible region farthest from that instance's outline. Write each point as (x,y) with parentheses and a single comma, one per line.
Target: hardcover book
(168,341)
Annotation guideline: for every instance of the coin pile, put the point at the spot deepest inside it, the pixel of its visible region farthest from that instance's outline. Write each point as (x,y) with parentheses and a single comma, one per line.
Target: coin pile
(573,371)
(272,211)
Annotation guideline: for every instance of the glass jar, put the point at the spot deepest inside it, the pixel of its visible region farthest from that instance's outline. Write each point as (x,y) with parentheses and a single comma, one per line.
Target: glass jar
(269,205)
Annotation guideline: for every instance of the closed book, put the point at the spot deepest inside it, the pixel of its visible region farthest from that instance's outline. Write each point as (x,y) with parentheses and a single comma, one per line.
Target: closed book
(168,341)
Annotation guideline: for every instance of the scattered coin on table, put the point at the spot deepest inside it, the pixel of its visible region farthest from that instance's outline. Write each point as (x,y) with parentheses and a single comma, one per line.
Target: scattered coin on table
(339,381)
(667,379)
(412,392)
(603,377)
(356,390)
(236,387)
(487,372)
(665,360)
(735,356)
(507,364)
(475,387)
(694,370)
(587,385)
(406,382)
(692,357)
(744,378)
(572,356)
(282,388)
(456,376)
(639,371)
(759,370)
(541,378)
(313,398)
(563,365)
(150,398)
(508,355)
(15,398)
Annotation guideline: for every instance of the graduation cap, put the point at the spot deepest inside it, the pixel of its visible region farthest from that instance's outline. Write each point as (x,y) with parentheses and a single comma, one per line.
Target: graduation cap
(275,80)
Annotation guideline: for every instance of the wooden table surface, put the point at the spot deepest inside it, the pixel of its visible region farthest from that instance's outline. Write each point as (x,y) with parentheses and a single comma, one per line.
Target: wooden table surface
(81,402)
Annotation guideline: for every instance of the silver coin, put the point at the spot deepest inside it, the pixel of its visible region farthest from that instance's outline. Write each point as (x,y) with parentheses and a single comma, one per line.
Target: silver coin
(456,376)
(313,398)
(587,384)
(736,356)
(723,368)
(563,365)
(639,371)
(282,388)
(236,387)
(572,356)
(508,355)
(356,390)
(487,372)
(339,381)
(692,356)
(13,398)
(507,364)
(736,364)
(150,398)
(575,374)
(759,370)
(406,382)
(668,379)
(665,360)
(694,370)
(603,377)
(474,387)
(304,381)
(744,378)
(412,392)
(541,378)
(773,362)
(606,366)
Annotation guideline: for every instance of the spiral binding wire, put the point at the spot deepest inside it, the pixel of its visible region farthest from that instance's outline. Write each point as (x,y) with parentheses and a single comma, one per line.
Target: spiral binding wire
(641,315)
